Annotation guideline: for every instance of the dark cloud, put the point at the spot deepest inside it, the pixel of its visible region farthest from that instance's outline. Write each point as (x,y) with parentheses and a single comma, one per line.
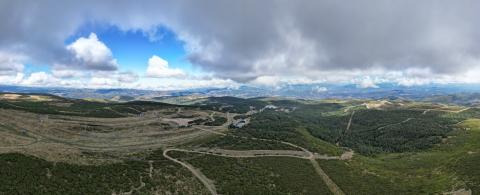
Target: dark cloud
(298,37)
(243,40)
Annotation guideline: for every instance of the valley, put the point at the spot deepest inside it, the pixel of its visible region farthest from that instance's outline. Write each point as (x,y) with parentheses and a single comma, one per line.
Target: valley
(326,147)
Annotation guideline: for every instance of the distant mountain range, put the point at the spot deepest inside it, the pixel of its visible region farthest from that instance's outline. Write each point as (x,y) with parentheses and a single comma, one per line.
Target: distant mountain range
(447,92)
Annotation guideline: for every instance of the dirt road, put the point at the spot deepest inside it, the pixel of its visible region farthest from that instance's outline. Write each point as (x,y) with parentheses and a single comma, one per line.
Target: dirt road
(60,131)
(347,129)
(257,153)
(404,121)
(443,110)
(329,182)
(302,153)
(206,182)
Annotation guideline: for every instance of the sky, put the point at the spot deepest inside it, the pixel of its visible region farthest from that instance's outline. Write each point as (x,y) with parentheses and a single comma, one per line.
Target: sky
(170,45)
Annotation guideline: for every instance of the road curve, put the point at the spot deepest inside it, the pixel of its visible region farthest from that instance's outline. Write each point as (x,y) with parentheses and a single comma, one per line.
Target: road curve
(205,181)
(334,188)
(257,153)
(303,154)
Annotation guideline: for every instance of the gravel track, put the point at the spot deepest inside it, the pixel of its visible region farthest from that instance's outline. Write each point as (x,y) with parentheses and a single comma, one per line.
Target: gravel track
(303,154)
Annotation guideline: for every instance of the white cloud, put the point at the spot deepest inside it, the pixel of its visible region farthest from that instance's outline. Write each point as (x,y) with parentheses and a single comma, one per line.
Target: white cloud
(66,73)
(10,63)
(366,82)
(127,77)
(318,89)
(102,82)
(11,79)
(408,82)
(296,38)
(266,80)
(41,79)
(93,54)
(180,84)
(158,68)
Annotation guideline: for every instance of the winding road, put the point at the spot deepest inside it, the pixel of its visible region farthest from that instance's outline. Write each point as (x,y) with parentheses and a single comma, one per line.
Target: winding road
(302,153)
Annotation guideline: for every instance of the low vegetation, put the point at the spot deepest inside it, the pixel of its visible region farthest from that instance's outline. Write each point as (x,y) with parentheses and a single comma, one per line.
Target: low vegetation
(400,147)
(217,121)
(22,174)
(265,175)
(231,104)
(234,143)
(61,106)
(445,167)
